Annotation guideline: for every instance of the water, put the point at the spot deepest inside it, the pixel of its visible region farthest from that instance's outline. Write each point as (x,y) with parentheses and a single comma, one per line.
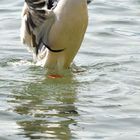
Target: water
(100,102)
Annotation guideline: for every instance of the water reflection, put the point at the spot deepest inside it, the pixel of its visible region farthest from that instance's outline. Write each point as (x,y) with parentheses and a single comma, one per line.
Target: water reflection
(47,108)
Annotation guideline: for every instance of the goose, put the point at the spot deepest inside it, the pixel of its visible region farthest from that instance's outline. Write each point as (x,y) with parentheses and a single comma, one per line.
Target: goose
(53,30)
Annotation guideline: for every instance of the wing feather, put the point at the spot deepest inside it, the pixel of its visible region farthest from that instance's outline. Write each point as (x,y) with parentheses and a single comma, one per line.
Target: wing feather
(37,24)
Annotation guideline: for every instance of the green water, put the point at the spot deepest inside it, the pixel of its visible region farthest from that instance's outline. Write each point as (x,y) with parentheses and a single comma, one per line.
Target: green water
(100,101)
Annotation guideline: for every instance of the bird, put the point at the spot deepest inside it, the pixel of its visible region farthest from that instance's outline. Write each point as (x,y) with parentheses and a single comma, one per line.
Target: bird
(53,30)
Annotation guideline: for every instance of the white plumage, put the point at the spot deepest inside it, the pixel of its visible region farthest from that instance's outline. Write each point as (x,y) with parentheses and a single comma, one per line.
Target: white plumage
(54,30)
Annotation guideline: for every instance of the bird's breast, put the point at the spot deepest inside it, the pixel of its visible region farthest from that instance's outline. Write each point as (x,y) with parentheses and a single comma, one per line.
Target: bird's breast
(69,28)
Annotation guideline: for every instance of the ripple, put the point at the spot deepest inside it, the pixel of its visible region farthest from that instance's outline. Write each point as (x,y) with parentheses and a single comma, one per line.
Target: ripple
(98,98)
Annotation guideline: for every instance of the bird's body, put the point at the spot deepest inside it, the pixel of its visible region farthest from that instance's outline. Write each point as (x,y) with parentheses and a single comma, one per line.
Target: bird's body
(54,34)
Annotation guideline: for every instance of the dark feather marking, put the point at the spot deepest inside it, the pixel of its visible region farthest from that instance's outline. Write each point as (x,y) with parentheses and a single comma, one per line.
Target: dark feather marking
(50,4)
(40,4)
(37,5)
(29,17)
(49,48)
(34,0)
(41,14)
(34,44)
(30,1)
(33,4)
(42,17)
(41,11)
(89,1)
(38,45)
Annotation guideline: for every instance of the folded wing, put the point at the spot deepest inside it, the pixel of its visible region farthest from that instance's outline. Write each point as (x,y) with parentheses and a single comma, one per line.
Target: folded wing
(38,18)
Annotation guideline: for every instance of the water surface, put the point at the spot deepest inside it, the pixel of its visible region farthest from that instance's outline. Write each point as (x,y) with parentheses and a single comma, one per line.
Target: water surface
(100,102)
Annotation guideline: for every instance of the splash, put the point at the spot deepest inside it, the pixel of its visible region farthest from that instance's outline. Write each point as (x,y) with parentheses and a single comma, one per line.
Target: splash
(20,63)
